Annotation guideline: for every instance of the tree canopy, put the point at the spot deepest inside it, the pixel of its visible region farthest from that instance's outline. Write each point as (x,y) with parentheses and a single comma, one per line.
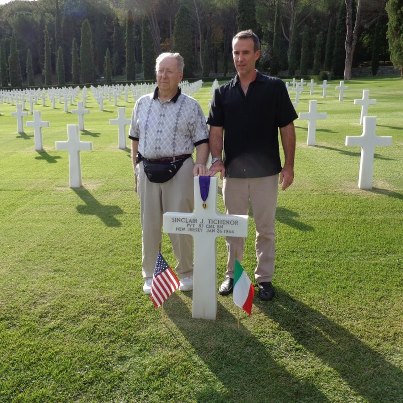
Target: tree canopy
(200,29)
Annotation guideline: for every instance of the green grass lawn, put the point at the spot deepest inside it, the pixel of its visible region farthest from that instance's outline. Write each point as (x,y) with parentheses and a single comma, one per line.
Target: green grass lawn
(75,325)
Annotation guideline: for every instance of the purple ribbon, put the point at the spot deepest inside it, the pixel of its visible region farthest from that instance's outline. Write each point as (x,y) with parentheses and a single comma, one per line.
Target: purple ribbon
(204,183)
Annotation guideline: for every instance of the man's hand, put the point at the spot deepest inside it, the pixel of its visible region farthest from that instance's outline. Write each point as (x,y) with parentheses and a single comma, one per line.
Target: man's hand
(200,170)
(218,166)
(286,177)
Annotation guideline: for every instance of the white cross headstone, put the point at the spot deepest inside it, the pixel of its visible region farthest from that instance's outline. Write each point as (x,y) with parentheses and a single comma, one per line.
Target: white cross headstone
(312,116)
(364,102)
(324,86)
(19,114)
(205,225)
(311,86)
(341,88)
(80,111)
(66,102)
(74,146)
(37,124)
(367,141)
(122,122)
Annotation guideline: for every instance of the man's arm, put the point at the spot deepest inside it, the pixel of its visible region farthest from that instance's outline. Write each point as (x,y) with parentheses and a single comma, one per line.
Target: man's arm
(216,147)
(288,141)
(135,146)
(202,151)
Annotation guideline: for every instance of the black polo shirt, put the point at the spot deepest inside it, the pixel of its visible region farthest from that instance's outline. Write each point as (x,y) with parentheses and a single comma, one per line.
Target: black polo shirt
(251,123)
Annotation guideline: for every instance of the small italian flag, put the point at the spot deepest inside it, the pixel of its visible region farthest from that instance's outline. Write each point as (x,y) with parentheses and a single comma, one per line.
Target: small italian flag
(243,289)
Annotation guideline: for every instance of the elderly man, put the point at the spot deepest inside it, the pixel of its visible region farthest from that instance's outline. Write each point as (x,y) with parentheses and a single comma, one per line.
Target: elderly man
(166,127)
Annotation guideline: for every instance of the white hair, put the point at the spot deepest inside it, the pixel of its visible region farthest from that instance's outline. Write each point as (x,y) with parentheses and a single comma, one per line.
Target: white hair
(176,56)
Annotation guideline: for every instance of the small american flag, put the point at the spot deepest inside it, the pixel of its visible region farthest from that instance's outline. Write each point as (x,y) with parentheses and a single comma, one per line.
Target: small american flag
(164,282)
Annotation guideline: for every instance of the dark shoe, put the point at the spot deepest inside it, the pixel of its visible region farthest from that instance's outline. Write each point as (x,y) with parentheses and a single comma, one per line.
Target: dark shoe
(266,291)
(226,286)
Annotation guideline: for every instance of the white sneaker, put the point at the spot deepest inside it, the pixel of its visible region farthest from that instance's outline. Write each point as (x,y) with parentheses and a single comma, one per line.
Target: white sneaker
(147,286)
(186,284)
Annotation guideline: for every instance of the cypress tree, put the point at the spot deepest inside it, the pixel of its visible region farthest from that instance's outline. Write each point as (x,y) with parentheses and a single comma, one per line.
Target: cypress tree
(117,48)
(275,58)
(292,57)
(108,67)
(75,64)
(147,50)
(87,71)
(317,58)
(99,42)
(60,70)
(206,58)
(305,53)
(339,51)
(130,58)
(14,65)
(182,36)
(394,9)
(47,64)
(330,37)
(246,17)
(3,65)
(29,69)
(58,29)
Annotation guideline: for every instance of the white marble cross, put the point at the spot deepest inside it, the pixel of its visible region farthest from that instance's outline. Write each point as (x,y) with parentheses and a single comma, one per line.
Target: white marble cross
(364,102)
(205,225)
(341,88)
(19,114)
(74,146)
(324,86)
(312,116)
(122,122)
(367,141)
(80,111)
(311,86)
(37,124)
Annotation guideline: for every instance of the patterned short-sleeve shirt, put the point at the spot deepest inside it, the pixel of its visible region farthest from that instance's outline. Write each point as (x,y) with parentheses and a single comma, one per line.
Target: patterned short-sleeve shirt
(167,129)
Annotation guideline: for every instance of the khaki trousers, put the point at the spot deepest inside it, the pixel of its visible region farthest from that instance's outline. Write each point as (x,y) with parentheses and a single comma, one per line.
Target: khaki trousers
(262,195)
(175,195)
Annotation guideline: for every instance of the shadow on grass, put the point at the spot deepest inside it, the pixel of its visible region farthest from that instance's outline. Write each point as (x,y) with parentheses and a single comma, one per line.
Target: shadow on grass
(43,155)
(24,136)
(391,127)
(363,369)
(354,153)
(289,217)
(94,207)
(385,192)
(88,133)
(238,360)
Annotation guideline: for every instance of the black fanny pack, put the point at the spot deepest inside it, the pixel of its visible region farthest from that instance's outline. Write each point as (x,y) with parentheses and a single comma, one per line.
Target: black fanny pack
(159,171)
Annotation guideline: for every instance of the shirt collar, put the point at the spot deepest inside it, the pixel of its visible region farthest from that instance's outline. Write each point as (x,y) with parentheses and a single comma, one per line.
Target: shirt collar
(235,80)
(173,99)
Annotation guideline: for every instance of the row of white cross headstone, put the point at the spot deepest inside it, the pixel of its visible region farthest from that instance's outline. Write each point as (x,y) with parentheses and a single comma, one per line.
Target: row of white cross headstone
(298,88)
(69,96)
(368,138)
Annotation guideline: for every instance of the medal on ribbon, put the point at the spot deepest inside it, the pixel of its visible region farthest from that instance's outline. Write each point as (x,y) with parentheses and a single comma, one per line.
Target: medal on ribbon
(204,183)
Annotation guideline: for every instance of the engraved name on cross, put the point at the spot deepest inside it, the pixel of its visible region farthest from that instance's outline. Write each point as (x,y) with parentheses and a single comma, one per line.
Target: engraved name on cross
(205,225)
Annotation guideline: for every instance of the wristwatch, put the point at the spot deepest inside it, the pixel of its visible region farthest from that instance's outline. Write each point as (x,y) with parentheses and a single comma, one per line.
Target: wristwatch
(215,159)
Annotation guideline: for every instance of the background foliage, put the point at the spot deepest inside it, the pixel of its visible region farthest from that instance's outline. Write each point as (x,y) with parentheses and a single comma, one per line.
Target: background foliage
(200,28)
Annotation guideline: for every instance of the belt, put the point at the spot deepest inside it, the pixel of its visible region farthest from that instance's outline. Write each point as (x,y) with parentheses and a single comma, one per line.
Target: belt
(168,159)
